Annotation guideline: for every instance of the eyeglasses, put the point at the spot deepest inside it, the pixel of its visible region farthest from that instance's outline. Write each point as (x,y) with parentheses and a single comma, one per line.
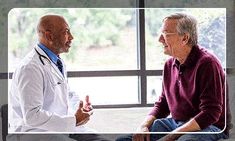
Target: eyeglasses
(166,34)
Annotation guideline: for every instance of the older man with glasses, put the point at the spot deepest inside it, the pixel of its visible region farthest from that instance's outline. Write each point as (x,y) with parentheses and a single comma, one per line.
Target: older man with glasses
(192,105)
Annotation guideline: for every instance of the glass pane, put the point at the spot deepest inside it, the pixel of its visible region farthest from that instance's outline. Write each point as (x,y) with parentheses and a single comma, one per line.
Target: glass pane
(154,88)
(211,26)
(104,39)
(106,90)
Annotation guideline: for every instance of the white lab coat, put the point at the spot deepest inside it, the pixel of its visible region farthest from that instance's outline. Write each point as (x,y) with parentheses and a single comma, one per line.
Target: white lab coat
(38,100)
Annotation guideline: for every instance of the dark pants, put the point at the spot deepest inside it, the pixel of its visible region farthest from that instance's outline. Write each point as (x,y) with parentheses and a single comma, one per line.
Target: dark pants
(88,137)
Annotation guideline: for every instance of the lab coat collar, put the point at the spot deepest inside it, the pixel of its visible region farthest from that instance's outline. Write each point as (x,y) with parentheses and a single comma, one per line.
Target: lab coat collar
(53,68)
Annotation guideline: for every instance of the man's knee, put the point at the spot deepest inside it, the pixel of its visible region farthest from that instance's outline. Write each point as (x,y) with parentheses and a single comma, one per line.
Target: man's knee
(161,125)
(156,125)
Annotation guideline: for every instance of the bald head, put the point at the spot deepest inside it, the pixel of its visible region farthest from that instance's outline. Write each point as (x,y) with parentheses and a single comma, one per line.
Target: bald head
(54,33)
(49,23)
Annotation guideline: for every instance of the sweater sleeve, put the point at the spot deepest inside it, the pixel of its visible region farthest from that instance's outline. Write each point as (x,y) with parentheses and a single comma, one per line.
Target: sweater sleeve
(211,83)
(160,108)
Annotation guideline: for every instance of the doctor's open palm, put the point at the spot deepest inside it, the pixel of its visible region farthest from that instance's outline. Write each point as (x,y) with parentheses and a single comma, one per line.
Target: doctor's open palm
(82,115)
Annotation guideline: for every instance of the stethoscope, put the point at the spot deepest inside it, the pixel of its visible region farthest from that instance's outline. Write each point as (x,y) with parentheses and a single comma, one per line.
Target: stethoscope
(40,56)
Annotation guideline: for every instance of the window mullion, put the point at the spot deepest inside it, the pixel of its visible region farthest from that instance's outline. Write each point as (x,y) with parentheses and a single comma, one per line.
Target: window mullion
(141,55)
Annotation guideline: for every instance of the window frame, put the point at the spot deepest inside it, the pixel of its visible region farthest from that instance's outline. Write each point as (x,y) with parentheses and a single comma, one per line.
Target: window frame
(140,72)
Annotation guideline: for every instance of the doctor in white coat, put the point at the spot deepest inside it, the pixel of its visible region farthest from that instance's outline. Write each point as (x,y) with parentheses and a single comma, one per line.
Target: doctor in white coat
(38,100)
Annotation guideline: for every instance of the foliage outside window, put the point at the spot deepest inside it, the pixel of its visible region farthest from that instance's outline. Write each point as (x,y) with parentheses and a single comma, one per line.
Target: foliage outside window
(106,40)
(211,32)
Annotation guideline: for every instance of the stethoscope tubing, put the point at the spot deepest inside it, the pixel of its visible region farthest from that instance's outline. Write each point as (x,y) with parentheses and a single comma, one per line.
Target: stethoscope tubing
(42,56)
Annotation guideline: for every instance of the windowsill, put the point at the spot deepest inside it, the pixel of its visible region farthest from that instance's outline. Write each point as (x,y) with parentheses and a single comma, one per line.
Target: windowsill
(121,120)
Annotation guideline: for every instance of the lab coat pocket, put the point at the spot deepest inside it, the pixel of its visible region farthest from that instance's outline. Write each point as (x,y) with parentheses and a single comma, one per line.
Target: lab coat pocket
(54,81)
(54,90)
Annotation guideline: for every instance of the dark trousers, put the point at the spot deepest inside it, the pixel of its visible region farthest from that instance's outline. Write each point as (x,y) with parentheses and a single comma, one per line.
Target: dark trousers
(88,137)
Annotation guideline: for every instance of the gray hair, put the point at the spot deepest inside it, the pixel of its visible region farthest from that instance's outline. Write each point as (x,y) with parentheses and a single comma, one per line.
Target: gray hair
(186,24)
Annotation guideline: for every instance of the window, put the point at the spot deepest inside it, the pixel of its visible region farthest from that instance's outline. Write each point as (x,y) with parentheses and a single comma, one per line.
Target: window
(115,55)
(107,90)
(211,29)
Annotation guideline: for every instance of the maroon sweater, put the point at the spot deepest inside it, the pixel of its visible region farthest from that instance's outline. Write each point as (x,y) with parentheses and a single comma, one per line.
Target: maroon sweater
(195,89)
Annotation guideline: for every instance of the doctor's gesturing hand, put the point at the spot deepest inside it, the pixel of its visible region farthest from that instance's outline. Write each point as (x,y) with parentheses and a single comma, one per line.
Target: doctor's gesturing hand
(87,105)
(84,112)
